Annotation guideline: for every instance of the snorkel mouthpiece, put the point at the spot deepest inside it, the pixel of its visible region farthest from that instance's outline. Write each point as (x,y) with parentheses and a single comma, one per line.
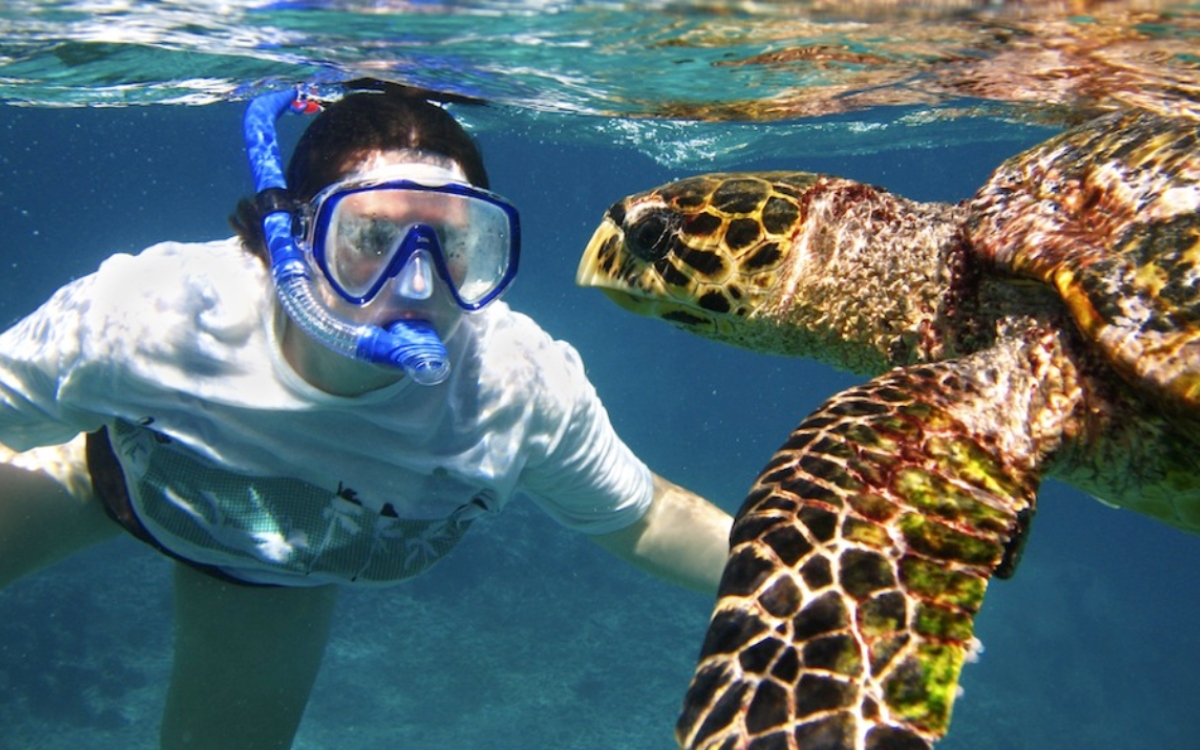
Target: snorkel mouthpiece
(412,345)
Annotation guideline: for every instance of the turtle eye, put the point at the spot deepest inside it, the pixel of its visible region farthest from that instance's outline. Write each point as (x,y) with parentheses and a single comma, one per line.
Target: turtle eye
(649,236)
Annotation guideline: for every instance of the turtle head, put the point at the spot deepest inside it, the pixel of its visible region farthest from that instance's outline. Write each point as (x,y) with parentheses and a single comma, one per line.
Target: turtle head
(704,253)
(790,263)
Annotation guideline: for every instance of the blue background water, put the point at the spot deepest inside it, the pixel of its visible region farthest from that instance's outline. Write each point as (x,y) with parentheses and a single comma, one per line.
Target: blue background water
(528,636)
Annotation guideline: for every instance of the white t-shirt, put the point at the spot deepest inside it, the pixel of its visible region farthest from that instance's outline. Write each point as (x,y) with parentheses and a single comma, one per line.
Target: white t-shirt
(233,460)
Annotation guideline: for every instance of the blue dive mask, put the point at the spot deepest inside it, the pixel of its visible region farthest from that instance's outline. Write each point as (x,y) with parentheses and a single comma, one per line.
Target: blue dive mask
(407,222)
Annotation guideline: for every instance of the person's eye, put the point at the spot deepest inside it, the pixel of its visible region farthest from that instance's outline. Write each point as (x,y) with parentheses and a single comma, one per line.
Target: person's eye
(370,239)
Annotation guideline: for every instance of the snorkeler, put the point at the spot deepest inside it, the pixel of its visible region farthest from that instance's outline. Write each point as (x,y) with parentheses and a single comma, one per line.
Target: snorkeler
(330,398)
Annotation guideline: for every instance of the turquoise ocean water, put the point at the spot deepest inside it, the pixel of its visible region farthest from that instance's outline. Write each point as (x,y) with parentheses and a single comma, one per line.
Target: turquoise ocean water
(527,637)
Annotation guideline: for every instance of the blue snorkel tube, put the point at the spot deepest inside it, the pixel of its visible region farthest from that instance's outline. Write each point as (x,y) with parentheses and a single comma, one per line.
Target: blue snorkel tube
(412,345)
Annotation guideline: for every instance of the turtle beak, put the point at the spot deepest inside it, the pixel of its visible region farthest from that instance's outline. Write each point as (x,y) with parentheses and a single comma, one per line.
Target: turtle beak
(601,264)
(601,256)
(608,265)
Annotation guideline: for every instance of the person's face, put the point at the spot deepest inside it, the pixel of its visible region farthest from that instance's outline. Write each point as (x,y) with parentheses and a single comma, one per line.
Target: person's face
(417,292)
(372,223)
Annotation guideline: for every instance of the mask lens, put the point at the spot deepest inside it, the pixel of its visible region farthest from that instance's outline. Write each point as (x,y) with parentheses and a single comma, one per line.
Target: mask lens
(358,249)
(477,251)
(360,236)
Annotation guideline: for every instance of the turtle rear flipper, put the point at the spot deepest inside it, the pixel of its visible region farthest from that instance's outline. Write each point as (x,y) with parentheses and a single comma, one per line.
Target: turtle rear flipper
(858,563)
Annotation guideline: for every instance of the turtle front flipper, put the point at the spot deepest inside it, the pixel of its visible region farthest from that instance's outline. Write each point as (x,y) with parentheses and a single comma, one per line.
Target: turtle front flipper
(857,564)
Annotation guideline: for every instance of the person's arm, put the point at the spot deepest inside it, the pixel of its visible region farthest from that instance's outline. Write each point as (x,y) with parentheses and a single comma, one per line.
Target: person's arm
(683,538)
(36,354)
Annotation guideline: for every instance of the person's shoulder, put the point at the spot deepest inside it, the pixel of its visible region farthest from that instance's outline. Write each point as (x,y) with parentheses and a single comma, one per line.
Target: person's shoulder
(515,349)
(505,334)
(499,319)
(219,268)
(185,259)
(209,286)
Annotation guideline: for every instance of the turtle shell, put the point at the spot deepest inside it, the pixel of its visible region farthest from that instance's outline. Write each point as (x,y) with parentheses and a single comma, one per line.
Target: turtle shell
(1109,215)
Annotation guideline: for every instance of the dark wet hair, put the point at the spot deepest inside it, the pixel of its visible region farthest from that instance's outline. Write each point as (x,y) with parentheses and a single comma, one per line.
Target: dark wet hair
(388,118)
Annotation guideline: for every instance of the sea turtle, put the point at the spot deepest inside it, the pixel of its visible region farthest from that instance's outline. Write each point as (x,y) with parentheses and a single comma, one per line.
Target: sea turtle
(1050,326)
